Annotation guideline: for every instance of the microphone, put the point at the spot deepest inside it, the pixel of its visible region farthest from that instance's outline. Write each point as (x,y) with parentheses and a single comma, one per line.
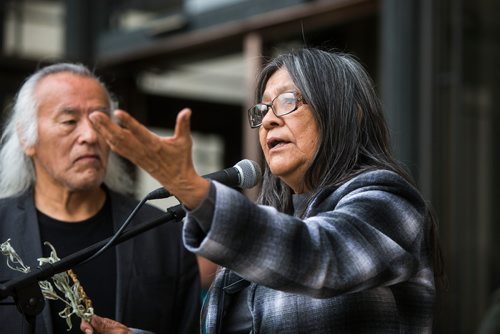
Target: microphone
(245,174)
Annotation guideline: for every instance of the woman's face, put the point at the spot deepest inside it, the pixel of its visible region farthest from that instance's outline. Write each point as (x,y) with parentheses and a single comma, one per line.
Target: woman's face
(289,142)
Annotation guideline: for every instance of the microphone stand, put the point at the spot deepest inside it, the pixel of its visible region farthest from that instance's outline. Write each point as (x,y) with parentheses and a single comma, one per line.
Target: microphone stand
(25,289)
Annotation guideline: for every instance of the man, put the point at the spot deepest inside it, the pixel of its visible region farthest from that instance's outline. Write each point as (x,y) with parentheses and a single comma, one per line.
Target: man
(59,183)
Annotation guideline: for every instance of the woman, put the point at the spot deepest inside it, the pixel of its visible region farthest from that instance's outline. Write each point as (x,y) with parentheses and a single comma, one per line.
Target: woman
(341,240)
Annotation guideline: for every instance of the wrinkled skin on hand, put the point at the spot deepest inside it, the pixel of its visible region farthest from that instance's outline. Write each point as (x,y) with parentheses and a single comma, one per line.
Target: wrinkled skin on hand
(167,159)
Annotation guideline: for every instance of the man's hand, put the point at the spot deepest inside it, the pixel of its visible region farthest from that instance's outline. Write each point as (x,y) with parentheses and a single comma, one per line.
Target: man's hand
(99,325)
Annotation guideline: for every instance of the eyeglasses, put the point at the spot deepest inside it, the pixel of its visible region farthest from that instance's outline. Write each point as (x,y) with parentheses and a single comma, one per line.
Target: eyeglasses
(282,104)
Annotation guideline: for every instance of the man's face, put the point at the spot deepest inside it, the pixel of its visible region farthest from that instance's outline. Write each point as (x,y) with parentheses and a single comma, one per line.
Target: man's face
(69,153)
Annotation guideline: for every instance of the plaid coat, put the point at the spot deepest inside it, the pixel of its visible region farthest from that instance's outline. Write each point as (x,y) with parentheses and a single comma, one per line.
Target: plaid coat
(358,263)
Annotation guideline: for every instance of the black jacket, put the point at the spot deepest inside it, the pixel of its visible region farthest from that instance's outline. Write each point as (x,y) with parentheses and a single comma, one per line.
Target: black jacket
(157,287)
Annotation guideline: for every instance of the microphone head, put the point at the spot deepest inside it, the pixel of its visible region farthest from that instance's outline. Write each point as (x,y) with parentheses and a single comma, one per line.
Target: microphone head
(250,173)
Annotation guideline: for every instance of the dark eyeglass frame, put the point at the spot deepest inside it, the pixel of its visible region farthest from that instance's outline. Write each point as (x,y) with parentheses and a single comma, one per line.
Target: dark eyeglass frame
(298,99)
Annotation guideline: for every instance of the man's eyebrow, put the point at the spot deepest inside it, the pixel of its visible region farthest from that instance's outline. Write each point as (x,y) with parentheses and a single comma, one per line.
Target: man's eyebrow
(67,111)
(72,111)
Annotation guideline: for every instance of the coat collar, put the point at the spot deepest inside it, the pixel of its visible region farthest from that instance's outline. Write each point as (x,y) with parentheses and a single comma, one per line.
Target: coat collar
(25,238)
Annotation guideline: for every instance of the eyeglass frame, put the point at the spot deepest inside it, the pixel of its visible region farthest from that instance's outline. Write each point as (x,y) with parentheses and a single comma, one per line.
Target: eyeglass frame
(298,99)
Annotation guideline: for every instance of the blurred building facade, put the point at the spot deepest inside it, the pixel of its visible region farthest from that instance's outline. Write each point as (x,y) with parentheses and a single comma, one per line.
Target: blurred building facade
(436,64)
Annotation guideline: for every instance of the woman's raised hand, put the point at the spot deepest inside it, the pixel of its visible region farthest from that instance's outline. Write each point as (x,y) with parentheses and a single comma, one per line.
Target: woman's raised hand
(167,159)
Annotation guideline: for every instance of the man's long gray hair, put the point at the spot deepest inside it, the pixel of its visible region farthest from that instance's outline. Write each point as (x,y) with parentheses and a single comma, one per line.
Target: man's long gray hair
(17,173)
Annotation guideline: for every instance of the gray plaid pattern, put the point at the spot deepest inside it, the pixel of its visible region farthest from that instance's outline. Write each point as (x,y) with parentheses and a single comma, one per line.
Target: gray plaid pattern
(359,262)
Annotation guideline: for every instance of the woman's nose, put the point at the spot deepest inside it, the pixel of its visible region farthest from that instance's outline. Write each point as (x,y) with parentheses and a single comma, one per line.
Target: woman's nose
(271,120)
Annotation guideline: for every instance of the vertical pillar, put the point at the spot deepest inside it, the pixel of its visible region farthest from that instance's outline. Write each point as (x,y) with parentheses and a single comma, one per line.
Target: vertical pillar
(426,97)
(85,20)
(399,47)
(2,25)
(78,41)
(2,32)
(252,52)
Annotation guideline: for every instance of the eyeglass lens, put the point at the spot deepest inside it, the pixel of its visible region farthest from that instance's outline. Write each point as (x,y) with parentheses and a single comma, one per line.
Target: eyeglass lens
(281,105)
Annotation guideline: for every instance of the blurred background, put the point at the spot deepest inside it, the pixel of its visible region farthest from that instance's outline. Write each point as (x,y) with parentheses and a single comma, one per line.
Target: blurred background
(436,65)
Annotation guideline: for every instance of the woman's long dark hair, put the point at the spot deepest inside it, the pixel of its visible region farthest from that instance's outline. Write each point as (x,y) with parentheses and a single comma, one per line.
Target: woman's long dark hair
(353,134)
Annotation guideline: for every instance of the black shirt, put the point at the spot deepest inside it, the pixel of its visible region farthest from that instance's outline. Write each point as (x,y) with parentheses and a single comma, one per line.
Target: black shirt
(97,277)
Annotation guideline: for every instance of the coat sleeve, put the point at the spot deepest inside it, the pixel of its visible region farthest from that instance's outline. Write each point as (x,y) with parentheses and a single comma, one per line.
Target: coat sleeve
(369,232)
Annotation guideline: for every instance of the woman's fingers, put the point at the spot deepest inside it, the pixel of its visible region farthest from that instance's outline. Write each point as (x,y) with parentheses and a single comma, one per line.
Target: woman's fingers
(117,134)
(111,132)
(127,140)
(129,123)
(167,159)
(183,124)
